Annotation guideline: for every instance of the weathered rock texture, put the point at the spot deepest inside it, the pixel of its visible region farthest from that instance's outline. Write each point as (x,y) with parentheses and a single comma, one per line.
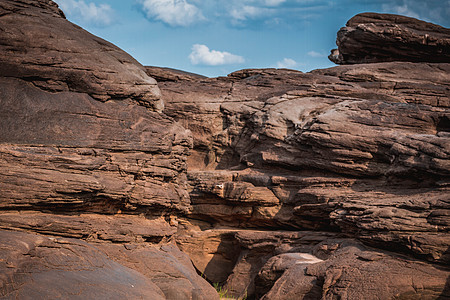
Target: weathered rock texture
(38,267)
(40,46)
(372,37)
(355,151)
(332,184)
(85,154)
(351,271)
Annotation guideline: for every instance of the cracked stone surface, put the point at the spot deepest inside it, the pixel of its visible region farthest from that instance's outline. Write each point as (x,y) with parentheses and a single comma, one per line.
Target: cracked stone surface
(276,184)
(372,37)
(361,150)
(86,154)
(38,267)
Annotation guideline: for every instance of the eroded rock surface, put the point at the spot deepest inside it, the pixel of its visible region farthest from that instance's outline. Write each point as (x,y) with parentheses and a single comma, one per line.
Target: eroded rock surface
(276,184)
(378,276)
(361,151)
(372,37)
(37,267)
(85,154)
(40,46)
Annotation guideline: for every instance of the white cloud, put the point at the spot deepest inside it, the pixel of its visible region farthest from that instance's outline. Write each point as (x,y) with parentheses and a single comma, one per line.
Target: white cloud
(87,13)
(400,10)
(201,55)
(436,11)
(316,54)
(247,12)
(274,2)
(287,63)
(172,12)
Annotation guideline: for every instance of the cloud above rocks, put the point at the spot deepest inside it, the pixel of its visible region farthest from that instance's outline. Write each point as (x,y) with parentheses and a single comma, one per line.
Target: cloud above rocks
(237,13)
(175,13)
(202,55)
(316,54)
(87,13)
(287,63)
(437,11)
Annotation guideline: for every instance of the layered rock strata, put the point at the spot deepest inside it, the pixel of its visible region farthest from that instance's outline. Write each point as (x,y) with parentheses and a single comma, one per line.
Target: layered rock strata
(41,47)
(355,151)
(372,37)
(276,184)
(85,154)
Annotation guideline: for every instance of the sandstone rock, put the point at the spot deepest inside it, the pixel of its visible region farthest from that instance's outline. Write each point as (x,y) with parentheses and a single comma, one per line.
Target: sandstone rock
(109,172)
(40,46)
(167,267)
(69,150)
(386,276)
(169,74)
(359,149)
(38,267)
(117,228)
(372,37)
(278,170)
(234,257)
(276,266)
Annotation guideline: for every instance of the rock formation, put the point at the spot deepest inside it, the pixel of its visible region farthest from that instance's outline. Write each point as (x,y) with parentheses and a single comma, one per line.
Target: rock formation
(358,152)
(276,184)
(85,154)
(41,47)
(371,37)
(352,151)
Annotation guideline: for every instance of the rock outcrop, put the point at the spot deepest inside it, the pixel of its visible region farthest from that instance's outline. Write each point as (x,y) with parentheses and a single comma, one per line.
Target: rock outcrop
(275,184)
(40,46)
(85,154)
(359,152)
(372,37)
(40,267)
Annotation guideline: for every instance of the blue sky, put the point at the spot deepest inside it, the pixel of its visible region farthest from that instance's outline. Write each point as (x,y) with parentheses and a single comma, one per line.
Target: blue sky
(217,37)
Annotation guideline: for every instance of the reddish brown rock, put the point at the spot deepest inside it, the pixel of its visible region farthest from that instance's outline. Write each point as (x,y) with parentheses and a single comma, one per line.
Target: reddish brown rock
(284,165)
(378,275)
(109,172)
(38,267)
(362,150)
(40,46)
(334,149)
(372,37)
(69,150)
(169,74)
(169,268)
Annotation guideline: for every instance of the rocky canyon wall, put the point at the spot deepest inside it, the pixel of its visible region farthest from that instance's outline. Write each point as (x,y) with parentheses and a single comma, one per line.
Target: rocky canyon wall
(93,175)
(285,164)
(276,184)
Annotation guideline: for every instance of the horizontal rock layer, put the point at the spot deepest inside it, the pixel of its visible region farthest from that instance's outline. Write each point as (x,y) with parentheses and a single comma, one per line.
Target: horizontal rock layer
(88,163)
(372,37)
(40,267)
(288,174)
(360,151)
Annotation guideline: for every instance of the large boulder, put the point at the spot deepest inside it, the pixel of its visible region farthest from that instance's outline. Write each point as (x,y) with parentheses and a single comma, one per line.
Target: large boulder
(43,267)
(40,46)
(372,37)
(352,271)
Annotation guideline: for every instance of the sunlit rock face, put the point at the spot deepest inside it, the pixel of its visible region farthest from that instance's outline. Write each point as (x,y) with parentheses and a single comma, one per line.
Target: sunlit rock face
(358,151)
(86,154)
(372,37)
